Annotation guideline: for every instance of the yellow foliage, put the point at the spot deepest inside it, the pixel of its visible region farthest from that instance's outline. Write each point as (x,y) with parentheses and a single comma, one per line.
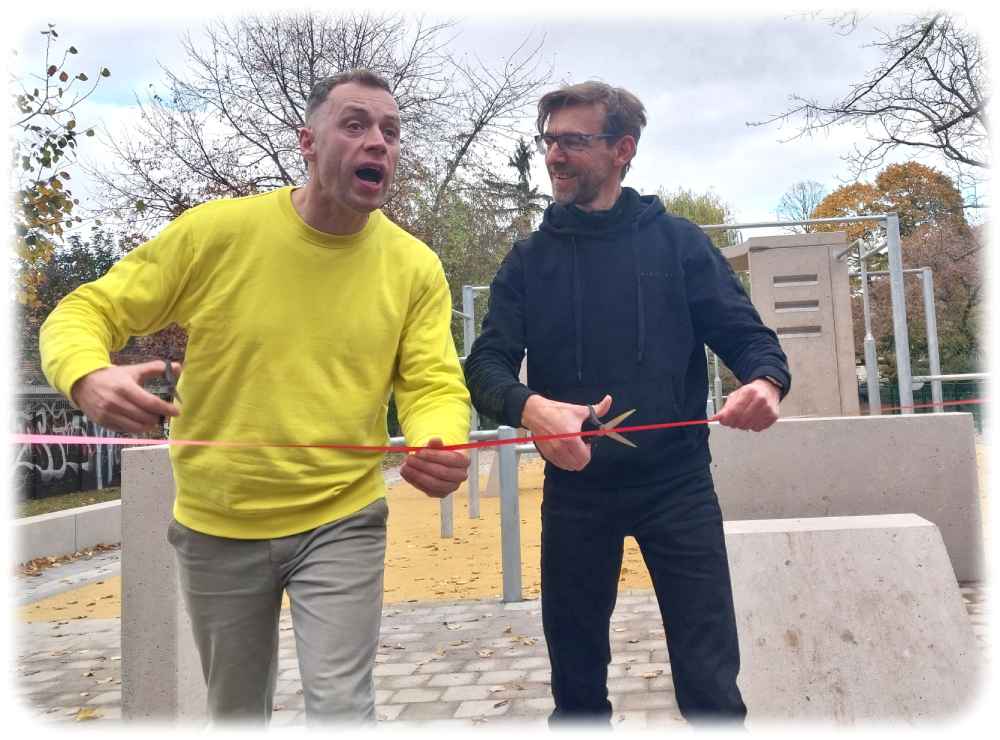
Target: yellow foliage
(918,194)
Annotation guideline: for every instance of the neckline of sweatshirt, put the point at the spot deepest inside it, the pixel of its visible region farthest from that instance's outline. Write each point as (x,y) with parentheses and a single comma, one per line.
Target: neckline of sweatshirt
(323,239)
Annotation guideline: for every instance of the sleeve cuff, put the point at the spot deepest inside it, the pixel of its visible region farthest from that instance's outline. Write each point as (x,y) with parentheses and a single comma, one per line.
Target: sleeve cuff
(513,404)
(779,374)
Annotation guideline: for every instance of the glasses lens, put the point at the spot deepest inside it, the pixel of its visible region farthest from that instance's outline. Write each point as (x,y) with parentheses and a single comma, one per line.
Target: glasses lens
(575,142)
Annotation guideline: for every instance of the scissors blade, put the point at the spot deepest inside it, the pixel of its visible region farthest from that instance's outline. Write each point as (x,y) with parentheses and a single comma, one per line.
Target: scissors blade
(612,423)
(619,438)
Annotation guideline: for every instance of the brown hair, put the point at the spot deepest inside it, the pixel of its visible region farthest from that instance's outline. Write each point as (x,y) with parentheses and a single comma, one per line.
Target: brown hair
(624,113)
(321,90)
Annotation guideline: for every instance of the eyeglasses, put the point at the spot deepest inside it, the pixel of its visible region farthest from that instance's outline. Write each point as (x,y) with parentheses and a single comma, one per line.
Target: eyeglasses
(569,142)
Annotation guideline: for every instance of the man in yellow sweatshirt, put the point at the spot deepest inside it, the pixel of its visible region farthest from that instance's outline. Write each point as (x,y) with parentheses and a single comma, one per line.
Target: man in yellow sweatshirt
(304,307)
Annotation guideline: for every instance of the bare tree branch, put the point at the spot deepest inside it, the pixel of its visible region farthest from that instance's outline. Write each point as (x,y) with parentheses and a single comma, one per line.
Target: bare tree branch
(930,92)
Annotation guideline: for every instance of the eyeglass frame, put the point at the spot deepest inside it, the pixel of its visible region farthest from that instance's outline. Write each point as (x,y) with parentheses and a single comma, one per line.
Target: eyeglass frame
(543,147)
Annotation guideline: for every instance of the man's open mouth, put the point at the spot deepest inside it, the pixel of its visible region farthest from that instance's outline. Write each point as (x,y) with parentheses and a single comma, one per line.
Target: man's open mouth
(370,174)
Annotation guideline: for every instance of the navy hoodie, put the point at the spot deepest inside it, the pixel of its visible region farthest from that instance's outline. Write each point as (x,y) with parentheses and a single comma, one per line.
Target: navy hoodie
(621,302)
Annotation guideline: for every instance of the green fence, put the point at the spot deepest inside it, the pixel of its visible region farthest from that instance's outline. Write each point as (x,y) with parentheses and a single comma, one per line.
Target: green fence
(951,390)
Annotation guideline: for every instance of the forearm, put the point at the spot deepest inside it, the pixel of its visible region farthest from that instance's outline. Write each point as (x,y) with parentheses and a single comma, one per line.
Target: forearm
(494,387)
(76,339)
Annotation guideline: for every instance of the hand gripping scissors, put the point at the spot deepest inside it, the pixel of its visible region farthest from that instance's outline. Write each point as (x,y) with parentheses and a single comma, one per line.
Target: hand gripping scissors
(594,423)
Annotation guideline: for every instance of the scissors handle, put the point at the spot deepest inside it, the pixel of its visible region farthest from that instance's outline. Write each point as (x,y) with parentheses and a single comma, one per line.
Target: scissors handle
(591,425)
(168,376)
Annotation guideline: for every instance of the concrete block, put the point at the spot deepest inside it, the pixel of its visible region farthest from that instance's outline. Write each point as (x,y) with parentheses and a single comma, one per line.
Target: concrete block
(849,620)
(98,524)
(68,531)
(161,673)
(923,464)
(44,535)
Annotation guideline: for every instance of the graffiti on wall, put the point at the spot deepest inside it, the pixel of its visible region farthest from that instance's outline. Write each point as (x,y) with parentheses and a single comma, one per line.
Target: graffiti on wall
(50,469)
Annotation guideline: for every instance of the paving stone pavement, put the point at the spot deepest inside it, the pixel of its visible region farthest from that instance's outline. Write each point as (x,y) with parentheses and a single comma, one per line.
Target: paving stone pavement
(450,663)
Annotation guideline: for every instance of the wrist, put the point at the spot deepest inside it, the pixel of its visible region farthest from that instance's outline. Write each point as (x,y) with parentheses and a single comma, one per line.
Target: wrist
(532,408)
(772,383)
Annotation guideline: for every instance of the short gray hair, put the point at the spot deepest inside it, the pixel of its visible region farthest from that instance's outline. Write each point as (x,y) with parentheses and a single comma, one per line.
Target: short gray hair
(321,90)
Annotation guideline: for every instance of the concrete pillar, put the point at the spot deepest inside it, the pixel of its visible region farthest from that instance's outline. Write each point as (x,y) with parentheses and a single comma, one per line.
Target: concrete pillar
(923,464)
(161,673)
(849,620)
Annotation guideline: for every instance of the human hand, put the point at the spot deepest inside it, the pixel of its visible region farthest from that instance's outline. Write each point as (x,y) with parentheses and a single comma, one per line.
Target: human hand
(434,471)
(114,397)
(752,406)
(543,416)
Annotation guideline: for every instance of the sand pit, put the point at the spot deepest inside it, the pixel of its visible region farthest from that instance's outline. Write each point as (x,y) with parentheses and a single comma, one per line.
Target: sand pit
(419,565)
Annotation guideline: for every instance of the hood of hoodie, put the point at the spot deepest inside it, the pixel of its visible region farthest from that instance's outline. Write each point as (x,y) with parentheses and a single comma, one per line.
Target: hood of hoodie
(573,226)
(630,212)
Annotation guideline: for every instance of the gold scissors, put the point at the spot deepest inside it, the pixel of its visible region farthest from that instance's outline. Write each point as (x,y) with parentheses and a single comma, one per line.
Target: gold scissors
(594,423)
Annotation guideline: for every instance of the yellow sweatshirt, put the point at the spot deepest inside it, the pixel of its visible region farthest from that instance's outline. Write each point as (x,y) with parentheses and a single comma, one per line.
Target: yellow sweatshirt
(294,336)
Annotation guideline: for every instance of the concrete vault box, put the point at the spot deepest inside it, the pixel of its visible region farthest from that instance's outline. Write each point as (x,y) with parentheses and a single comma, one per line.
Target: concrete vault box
(802,291)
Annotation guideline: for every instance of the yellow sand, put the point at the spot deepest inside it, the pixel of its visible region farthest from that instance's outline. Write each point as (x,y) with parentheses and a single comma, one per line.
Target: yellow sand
(419,565)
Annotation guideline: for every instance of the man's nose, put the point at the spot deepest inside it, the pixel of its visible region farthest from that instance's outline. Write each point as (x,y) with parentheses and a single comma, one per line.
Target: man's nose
(375,139)
(555,153)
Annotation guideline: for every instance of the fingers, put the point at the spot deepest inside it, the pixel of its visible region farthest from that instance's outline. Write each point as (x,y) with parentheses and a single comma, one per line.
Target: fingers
(568,454)
(434,471)
(145,371)
(749,409)
(114,398)
(603,407)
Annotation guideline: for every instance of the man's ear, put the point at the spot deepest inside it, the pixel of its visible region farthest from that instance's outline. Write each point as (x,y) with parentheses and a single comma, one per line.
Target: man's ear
(306,142)
(625,149)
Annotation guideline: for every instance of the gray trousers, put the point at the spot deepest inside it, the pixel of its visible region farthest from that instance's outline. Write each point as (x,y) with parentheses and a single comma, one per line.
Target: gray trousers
(233,590)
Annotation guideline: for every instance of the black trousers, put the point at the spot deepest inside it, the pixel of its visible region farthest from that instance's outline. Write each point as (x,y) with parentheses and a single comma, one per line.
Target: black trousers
(678,527)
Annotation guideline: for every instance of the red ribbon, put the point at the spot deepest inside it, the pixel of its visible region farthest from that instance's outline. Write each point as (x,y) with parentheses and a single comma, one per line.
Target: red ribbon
(27,439)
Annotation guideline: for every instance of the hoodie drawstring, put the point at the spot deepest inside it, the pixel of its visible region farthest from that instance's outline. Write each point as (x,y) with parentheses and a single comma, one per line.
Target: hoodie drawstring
(639,304)
(578,315)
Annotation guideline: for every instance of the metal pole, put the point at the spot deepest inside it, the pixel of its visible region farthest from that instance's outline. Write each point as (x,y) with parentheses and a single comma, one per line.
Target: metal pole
(805,222)
(716,385)
(899,328)
(446,506)
(871,358)
(469,336)
(510,518)
(933,356)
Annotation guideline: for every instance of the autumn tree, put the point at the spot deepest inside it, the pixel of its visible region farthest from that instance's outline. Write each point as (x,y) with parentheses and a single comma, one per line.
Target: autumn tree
(45,134)
(918,194)
(955,254)
(934,233)
(929,94)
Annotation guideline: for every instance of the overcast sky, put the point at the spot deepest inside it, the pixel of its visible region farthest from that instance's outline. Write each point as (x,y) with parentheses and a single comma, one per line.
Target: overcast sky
(702,78)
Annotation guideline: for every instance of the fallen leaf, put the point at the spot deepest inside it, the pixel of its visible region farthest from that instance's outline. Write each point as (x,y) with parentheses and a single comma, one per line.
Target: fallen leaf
(652,674)
(484,653)
(87,713)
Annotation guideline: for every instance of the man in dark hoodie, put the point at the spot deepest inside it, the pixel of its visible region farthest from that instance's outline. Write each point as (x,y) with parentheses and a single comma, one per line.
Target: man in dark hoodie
(613,300)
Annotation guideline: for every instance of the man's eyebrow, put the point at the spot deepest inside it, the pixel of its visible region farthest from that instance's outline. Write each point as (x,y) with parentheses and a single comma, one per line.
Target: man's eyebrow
(351,109)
